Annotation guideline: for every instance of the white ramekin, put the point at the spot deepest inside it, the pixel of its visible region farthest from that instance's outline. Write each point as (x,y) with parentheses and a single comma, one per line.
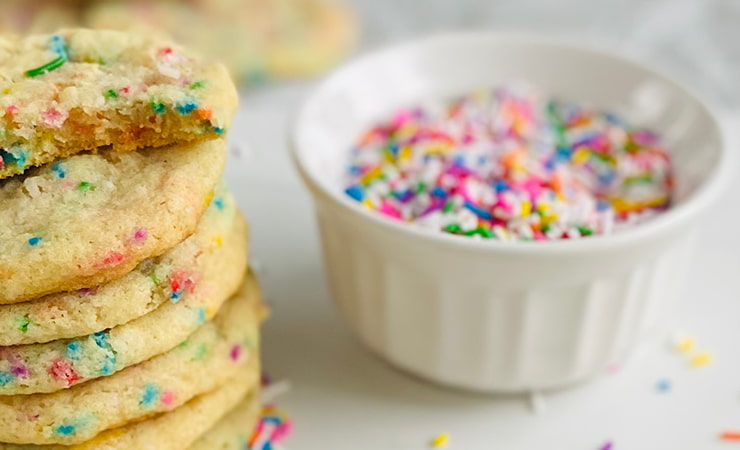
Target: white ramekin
(488,315)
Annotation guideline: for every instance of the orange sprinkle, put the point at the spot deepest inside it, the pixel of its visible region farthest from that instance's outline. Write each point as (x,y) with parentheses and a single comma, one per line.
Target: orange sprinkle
(204,114)
(730,435)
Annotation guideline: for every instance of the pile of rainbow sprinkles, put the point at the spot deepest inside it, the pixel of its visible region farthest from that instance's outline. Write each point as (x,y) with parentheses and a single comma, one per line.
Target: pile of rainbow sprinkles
(511,164)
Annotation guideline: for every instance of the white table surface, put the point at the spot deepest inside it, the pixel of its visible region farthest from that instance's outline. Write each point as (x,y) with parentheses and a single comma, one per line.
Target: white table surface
(345,398)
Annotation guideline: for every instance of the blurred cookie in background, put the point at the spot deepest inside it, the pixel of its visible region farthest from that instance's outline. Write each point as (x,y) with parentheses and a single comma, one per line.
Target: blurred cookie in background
(256,39)
(38,16)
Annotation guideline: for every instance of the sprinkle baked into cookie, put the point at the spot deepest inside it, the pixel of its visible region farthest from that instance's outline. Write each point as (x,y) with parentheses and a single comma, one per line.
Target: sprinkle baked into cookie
(78,90)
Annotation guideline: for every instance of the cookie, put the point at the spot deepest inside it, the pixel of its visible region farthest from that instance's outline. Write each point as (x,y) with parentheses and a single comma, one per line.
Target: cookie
(232,432)
(217,352)
(256,39)
(90,219)
(209,263)
(49,367)
(208,413)
(81,89)
(38,16)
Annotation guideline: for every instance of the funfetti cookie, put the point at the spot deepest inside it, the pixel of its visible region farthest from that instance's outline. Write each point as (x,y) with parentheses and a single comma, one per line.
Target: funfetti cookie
(212,356)
(206,267)
(55,365)
(233,431)
(80,89)
(203,418)
(256,39)
(90,219)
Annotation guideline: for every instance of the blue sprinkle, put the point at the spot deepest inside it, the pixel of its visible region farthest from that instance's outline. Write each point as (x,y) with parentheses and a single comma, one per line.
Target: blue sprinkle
(201,316)
(5,377)
(187,108)
(65,430)
(355,170)
(17,157)
(58,170)
(602,205)
(34,241)
(393,150)
(159,108)
(664,385)
(73,350)
(175,296)
(101,339)
(482,213)
(606,178)
(355,192)
(150,396)
(438,191)
(501,185)
(219,203)
(218,130)
(459,160)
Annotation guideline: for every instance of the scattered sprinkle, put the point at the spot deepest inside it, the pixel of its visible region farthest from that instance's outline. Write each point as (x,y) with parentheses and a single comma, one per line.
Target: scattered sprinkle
(58,169)
(112,94)
(701,359)
(686,344)
(441,440)
(273,428)
(730,435)
(34,241)
(608,446)
(65,430)
(664,385)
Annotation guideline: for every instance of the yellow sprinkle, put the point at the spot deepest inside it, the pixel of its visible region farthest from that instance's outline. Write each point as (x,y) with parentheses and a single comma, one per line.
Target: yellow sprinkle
(580,156)
(405,153)
(441,440)
(368,204)
(686,344)
(701,359)
(526,208)
(370,176)
(209,197)
(218,241)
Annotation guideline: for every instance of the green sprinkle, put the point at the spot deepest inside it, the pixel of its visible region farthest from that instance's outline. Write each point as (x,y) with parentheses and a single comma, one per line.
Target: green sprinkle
(421,187)
(638,179)
(480,231)
(48,67)
(201,352)
(585,231)
(23,322)
(448,206)
(159,107)
(86,186)
(453,228)
(198,84)
(110,93)
(546,228)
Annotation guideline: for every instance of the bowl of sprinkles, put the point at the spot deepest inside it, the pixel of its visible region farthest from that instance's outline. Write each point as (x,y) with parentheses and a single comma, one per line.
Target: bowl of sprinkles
(503,212)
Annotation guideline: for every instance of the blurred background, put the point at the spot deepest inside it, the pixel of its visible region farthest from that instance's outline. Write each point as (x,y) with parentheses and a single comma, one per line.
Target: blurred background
(261,40)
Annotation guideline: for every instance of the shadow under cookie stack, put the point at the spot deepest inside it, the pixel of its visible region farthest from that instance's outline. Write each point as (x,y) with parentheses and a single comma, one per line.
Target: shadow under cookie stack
(126,317)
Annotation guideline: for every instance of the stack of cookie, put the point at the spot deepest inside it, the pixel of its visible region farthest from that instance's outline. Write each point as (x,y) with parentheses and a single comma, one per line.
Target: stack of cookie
(126,318)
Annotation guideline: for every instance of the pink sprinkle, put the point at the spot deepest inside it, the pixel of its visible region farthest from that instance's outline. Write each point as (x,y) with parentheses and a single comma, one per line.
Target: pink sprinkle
(86,292)
(12,109)
(53,118)
(62,370)
(236,352)
(387,209)
(608,446)
(168,399)
(114,258)
(140,235)
(282,432)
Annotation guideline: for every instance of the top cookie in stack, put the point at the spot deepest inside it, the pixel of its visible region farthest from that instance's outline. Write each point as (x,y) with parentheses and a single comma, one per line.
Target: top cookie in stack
(106,92)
